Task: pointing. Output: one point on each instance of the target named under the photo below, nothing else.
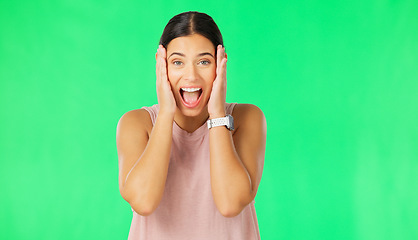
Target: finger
(223, 68)
(159, 66)
(218, 59)
(218, 55)
(221, 72)
(163, 70)
(159, 52)
(222, 53)
(163, 52)
(157, 58)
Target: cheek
(212, 74)
(173, 75)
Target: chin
(195, 112)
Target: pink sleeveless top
(187, 209)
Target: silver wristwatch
(227, 121)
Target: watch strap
(227, 121)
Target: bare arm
(144, 150)
(143, 160)
(236, 161)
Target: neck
(190, 124)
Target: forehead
(191, 45)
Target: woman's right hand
(164, 93)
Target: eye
(177, 63)
(204, 62)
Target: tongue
(190, 97)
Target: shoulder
(134, 121)
(245, 108)
(247, 111)
(248, 115)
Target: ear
(226, 55)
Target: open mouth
(191, 96)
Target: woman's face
(191, 66)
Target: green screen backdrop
(337, 81)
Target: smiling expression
(191, 65)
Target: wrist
(166, 109)
(167, 115)
(217, 114)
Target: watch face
(230, 122)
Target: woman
(182, 179)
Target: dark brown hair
(189, 23)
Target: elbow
(143, 210)
(231, 210)
(141, 206)
(144, 207)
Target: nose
(191, 73)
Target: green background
(337, 81)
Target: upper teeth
(190, 89)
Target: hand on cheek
(164, 93)
(216, 105)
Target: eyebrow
(183, 55)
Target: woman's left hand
(216, 104)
